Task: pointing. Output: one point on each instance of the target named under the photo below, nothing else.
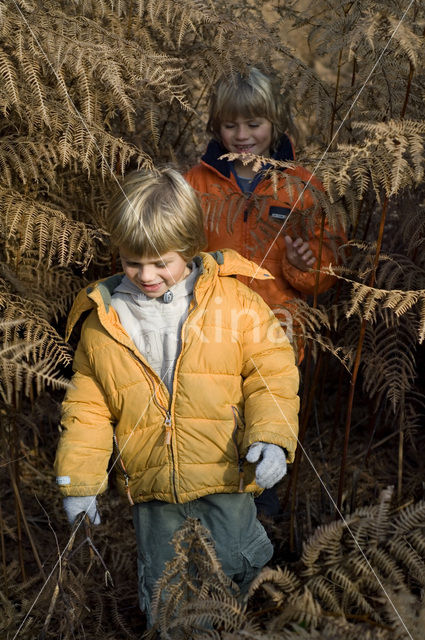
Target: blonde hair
(254, 95)
(155, 212)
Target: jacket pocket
(237, 437)
(254, 555)
(259, 550)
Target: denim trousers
(240, 541)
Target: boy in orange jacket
(185, 377)
(274, 221)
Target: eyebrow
(156, 260)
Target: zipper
(168, 421)
(168, 434)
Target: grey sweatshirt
(154, 326)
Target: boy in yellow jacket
(188, 373)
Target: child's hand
(74, 505)
(272, 463)
(299, 253)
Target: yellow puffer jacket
(235, 383)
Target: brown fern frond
(118, 618)
(225, 612)
(399, 272)
(417, 540)
(111, 74)
(350, 593)
(412, 517)
(386, 565)
(43, 341)
(151, 120)
(283, 580)
(85, 89)
(18, 374)
(56, 235)
(192, 594)
(23, 157)
(390, 159)
(366, 301)
(325, 538)
(389, 357)
(9, 78)
(380, 26)
(302, 608)
(408, 557)
(378, 525)
(31, 71)
(323, 589)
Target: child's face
(153, 276)
(247, 135)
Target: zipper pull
(167, 424)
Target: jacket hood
(215, 150)
(217, 264)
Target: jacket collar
(226, 262)
(215, 149)
(211, 266)
(98, 294)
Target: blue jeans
(241, 543)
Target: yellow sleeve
(271, 381)
(86, 440)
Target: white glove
(74, 505)
(272, 465)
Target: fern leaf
(9, 78)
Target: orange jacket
(250, 223)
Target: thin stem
(349, 412)
(3, 553)
(319, 260)
(309, 391)
(338, 78)
(400, 463)
(337, 414)
(130, 15)
(14, 475)
(27, 529)
(63, 566)
(358, 360)
(306, 410)
(353, 75)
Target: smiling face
(154, 276)
(247, 135)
